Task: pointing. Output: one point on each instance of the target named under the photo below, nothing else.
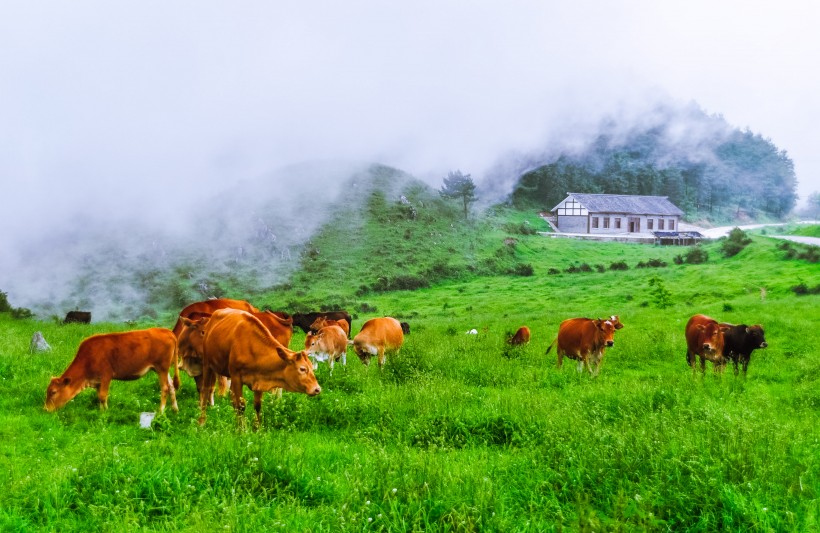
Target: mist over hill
(710, 169)
(255, 233)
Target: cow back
(209, 306)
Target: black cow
(305, 320)
(405, 327)
(82, 317)
(740, 341)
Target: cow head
(616, 321)
(607, 328)
(298, 374)
(711, 339)
(60, 391)
(755, 335)
(191, 339)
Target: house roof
(624, 203)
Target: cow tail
(550, 346)
(175, 364)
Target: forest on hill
(711, 170)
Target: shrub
(694, 256)
(523, 228)
(662, 296)
(619, 265)
(652, 263)
(5, 307)
(553, 271)
(600, 268)
(735, 242)
(802, 289)
(400, 283)
(521, 269)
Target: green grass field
(458, 432)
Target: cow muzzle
(708, 348)
(764, 344)
(610, 344)
(315, 391)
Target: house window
(606, 222)
(671, 225)
(617, 223)
(594, 222)
(660, 224)
(650, 223)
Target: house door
(634, 225)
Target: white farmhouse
(616, 213)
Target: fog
(118, 117)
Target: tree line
(726, 175)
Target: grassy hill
(458, 432)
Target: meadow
(458, 432)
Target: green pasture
(458, 432)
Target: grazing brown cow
(522, 336)
(328, 344)
(305, 320)
(191, 349)
(80, 317)
(200, 309)
(123, 356)
(704, 339)
(378, 336)
(585, 340)
(238, 346)
(322, 321)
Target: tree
(814, 203)
(458, 186)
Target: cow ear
(724, 329)
(748, 329)
(286, 354)
(65, 381)
(700, 327)
(185, 320)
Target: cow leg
(257, 406)
(560, 359)
(206, 393)
(236, 396)
(102, 392)
(344, 358)
(702, 365)
(164, 384)
(381, 358)
(169, 388)
(745, 363)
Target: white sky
(122, 107)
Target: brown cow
(322, 321)
(238, 346)
(328, 344)
(198, 310)
(585, 340)
(123, 356)
(209, 306)
(522, 336)
(377, 337)
(704, 339)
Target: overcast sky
(121, 107)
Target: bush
(5, 307)
(803, 289)
(619, 265)
(652, 263)
(400, 283)
(553, 271)
(523, 228)
(694, 256)
(521, 269)
(735, 242)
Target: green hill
(458, 432)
